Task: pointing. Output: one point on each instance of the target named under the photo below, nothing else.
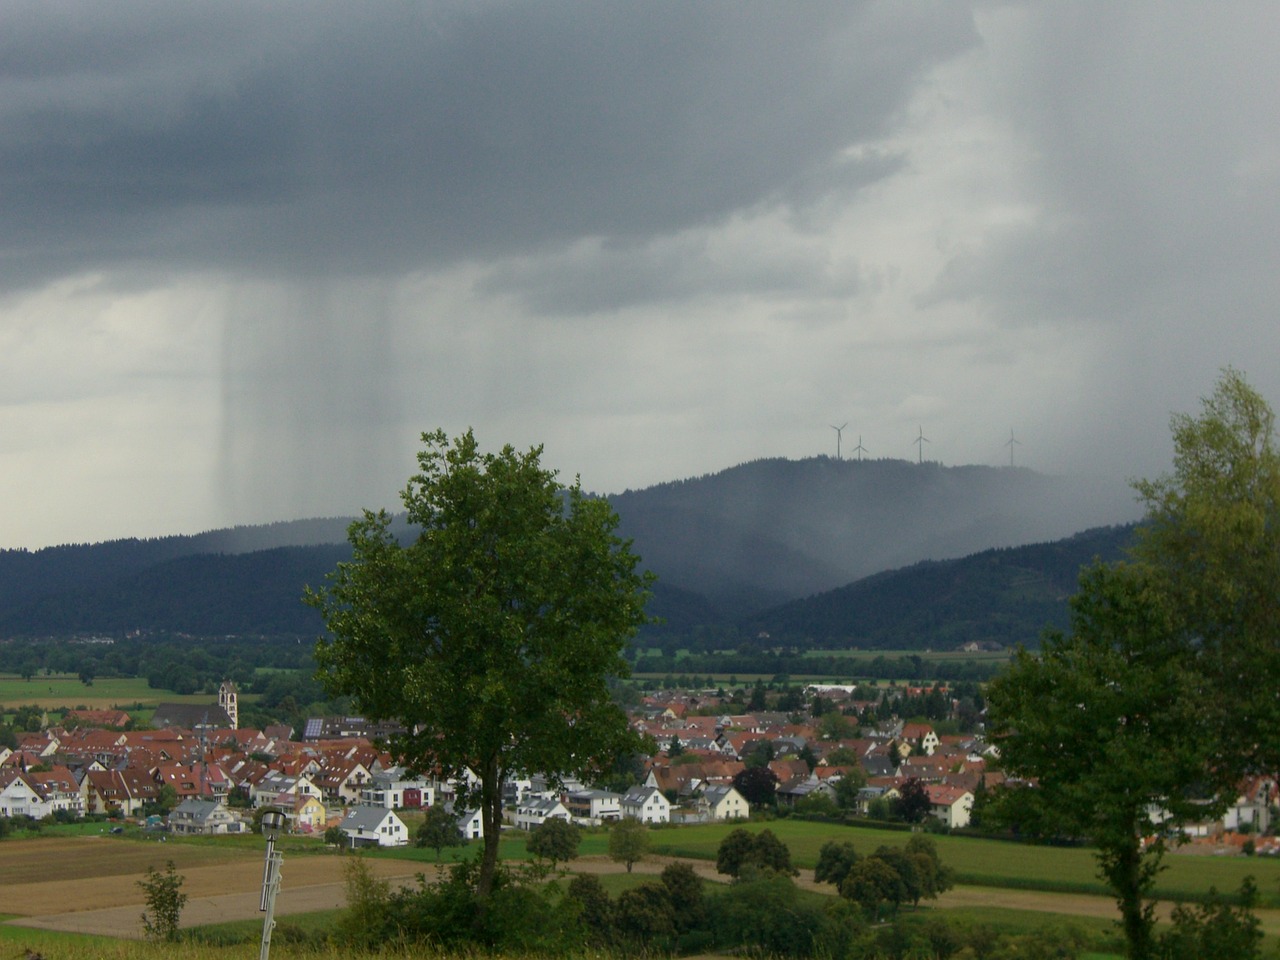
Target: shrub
(165, 900)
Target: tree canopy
(493, 634)
(628, 841)
(1145, 715)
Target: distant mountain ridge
(769, 531)
(726, 547)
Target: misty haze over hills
(725, 547)
(775, 530)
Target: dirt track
(112, 905)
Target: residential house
(341, 780)
(19, 796)
(198, 817)
(308, 814)
(374, 827)
(724, 803)
(646, 804)
(920, 737)
(471, 825)
(593, 807)
(396, 789)
(951, 805)
(799, 788)
(535, 810)
(59, 789)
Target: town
(197, 772)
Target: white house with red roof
(951, 805)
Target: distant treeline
(908, 667)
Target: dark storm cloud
(308, 137)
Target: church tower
(227, 701)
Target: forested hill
(725, 548)
(766, 532)
(1004, 596)
(257, 594)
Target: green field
(995, 863)
(66, 690)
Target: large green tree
(494, 633)
(1211, 538)
(1146, 715)
(1108, 720)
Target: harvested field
(100, 894)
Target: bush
(742, 849)
(165, 901)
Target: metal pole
(270, 887)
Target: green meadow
(65, 690)
(995, 863)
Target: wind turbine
(920, 441)
(839, 433)
(1011, 444)
(860, 449)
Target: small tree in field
(555, 840)
(438, 830)
(165, 900)
(628, 841)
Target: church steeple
(227, 697)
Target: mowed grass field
(66, 690)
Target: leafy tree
(912, 804)
(1211, 538)
(934, 877)
(760, 754)
(628, 841)
(494, 633)
(595, 908)
(684, 888)
(555, 840)
(438, 830)
(847, 788)
(872, 883)
(162, 891)
(835, 860)
(836, 726)
(1216, 928)
(735, 850)
(758, 786)
(335, 837)
(809, 757)
(741, 849)
(1109, 720)
(645, 915)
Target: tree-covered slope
(1005, 596)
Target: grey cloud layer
(372, 139)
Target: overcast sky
(249, 252)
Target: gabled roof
(366, 819)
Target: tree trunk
(491, 821)
(1129, 877)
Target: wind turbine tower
(839, 433)
(1011, 444)
(860, 449)
(921, 440)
